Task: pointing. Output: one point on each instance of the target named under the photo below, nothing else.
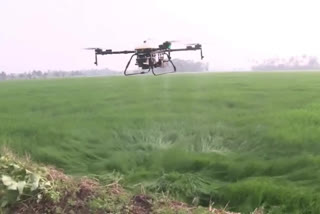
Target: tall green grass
(246, 139)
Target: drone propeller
(92, 48)
(97, 50)
(157, 40)
(173, 41)
(192, 44)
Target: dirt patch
(141, 204)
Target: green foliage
(240, 135)
(109, 202)
(27, 187)
(188, 186)
(17, 182)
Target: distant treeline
(181, 65)
(37, 74)
(186, 66)
(293, 63)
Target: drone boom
(109, 51)
(99, 51)
(189, 48)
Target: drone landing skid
(151, 68)
(174, 67)
(135, 73)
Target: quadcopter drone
(148, 58)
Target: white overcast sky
(50, 34)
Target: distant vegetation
(182, 66)
(37, 74)
(187, 66)
(245, 140)
(293, 63)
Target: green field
(244, 139)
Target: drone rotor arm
(119, 52)
(188, 48)
(99, 51)
(109, 52)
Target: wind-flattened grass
(246, 139)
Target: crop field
(245, 140)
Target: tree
(293, 63)
(3, 76)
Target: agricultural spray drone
(148, 57)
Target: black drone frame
(148, 52)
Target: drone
(148, 57)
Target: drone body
(148, 58)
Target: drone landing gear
(151, 67)
(169, 60)
(135, 73)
